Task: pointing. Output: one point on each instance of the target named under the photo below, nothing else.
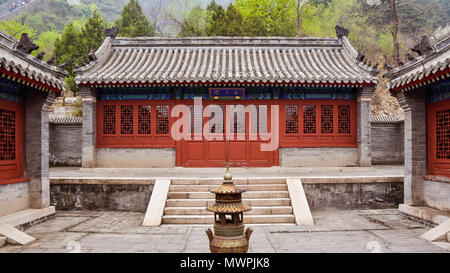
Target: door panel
(238, 152)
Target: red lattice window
(291, 119)
(162, 119)
(126, 119)
(309, 119)
(438, 133)
(11, 142)
(344, 117)
(318, 123)
(109, 120)
(7, 135)
(144, 119)
(133, 124)
(326, 119)
(443, 134)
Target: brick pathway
(335, 231)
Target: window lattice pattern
(109, 120)
(126, 119)
(196, 123)
(291, 119)
(7, 135)
(258, 124)
(218, 127)
(238, 124)
(344, 119)
(443, 134)
(162, 119)
(309, 119)
(326, 119)
(144, 120)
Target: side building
(28, 87)
(422, 87)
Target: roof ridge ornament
(112, 32)
(423, 47)
(341, 32)
(26, 45)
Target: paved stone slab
(15, 236)
(437, 233)
(362, 231)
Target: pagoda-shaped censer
(228, 211)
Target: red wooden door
(11, 142)
(242, 149)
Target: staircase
(268, 197)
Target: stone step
(203, 211)
(208, 202)
(203, 188)
(245, 195)
(239, 181)
(209, 219)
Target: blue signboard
(226, 93)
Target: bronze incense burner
(228, 211)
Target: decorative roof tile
(425, 66)
(32, 69)
(233, 60)
(66, 121)
(386, 119)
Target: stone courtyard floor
(335, 231)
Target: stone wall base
(14, 197)
(319, 157)
(354, 195)
(101, 197)
(135, 158)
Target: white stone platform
(27, 217)
(309, 175)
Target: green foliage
(46, 43)
(270, 17)
(134, 23)
(196, 23)
(92, 33)
(15, 29)
(73, 47)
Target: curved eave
(228, 83)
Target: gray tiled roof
(265, 60)
(386, 119)
(66, 121)
(28, 66)
(422, 66)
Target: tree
(46, 43)
(394, 31)
(233, 23)
(15, 29)
(268, 17)
(217, 27)
(134, 23)
(196, 23)
(92, 33)
(73, 47)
